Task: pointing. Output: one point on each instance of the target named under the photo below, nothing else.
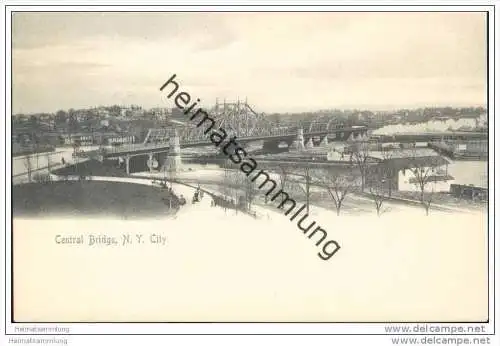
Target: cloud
(279, 60)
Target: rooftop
(403, 153)
(422, 161)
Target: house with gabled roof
(406, 170)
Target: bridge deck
(139, 149)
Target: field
(93, 167)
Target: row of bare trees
(421, 168)
(338, 184)
(238, 187)
(32, 163)
(363, 175)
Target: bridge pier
(127, 164)
(298, 143)
(350, 138)
(309, 144)
(355, 137)
(150, 162)
(324, 142)
(365, 135)
(173, 160)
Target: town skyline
(168, 110)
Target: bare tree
(36, 148)
(359, 156)
(423, 169)
(421, 177)
(227, 179)
(304, 183)
(426, 202)
(49, 163)
(378, 195)
(250, 192)
(283, 177)
(37, 156)
(388, 169)
(338, 185)
(235, 186)
(76, 150)
(28, 164)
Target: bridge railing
(198, 137)
(126, 148)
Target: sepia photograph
(249, 166)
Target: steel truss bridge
(238, 119)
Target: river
(469, 172)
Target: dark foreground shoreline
(91, 198)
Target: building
(474, 149)
(408, 170)
(81, 116)
(131, 112)
(102, 112)
(119, 140)
(482, 120)
(79, 138)
(470, 148)
(430, 172)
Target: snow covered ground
(223, 266)
(353, 204)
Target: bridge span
(168, 154)
(430, 136)
(299, 137)
(162, 146)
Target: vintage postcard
(250, 166)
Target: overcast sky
(279, 61)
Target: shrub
(42, 178)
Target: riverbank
(81, 199)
